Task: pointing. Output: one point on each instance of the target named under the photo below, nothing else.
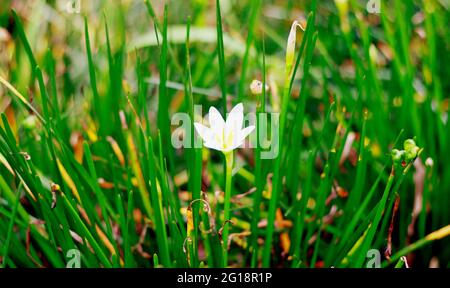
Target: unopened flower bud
(290, 48)
(409, 144)
(30, 122)
(412, 153)
(397, 155)
(256, 87)
(411, 149)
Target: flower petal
(238, 139)
(241, 135)
(210, 138)
(213, 145)
(234, 121)
(205, 132)
(245, 132)
(216, 121)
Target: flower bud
(290, 48)
(397, 155)
(256, 87)
(409, 144)
(30, 122)
(411, 149)
(412, 153)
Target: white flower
(221, 135)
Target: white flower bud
(256, 87)
(290, 48)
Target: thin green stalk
(325, 186)
(155, 261)
(161, 234)
(158, 30)
(226, 214)
(102, 200)
(301, 205)
(164, 97)
(299, 222)
(221, 55)
(400, 263)
(223, 88)
(276, 184)
(296, 142)
(254, 10)
(259, 173)
(25, 42)
(92, 77)
(86, 233)
(129, 261)
(10, 228)
(22, 99)
(193, 153)
(373, 227)
(53, 89)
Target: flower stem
(229, 168)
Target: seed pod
(30, 122)
(411, 149)
(412, 153)
(397, 155)
(409, 144)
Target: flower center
(228, 140)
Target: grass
(86, 155)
